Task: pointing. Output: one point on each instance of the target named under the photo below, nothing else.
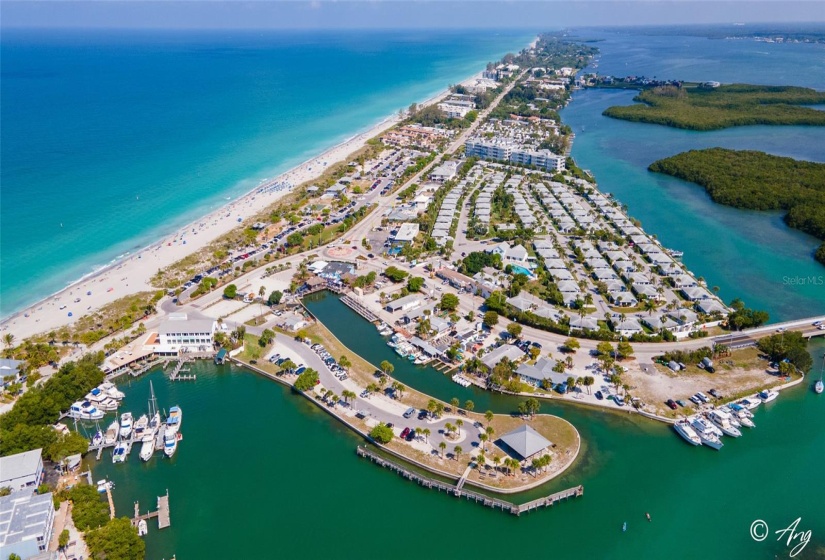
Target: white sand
(132, 275)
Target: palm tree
(457, 452)
(448, 428)
(458, 424)
(344, 362)
(419, 432)
(442, 446)
(469, 405)
(426, 432)
(489, 416)
(454, 402)
(489, 432)
(386, 367)
(261, 292)
(649, 306)
(382, 381)
(482, 438)
(496, 461)
(8, 340)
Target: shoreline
(172, 246)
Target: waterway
(266, 468)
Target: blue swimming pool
(520, 270)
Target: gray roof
(9, 367)
(508, 351)
(543, 369)
(187, 326)
(525, 441)
(19, 465)
(24, 517)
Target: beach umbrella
(70, 313)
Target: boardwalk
(359, 308)
(460, 492)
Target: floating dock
(161, 513)
(360, 308)
(460, 492)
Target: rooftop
(20, 465)
(24, 517)
(525, 441)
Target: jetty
(459, 491)
(360, 308)
(111, 501)
(161, 513)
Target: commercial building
(508, 150)
(406, 233)
(179, 334)
(403, 304)
(26, 522)
(22, 471)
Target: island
(757, 181)
(710, 106)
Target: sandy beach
(132, 274)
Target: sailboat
(149, 434)
(819, 386)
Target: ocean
(113, 139)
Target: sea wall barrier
(482, 499)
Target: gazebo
(525, 442)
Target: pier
(359, 308)
(179, 373)
(111, 501)
(161, 513)
(460, 492)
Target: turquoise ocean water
(121, 137)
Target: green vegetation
(415, 283)
(700, 108)
(230, 292)
(381, 433)
(788, 346)
(745, 318)
(28, 424)
(449, 302)
(757, 181)
(395, 274)
(477, 260)
(89, 511)
(117, 540)
(275, 297)
(306, 380)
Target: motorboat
(111, 433)
(170, 443)
(768, 395)
(174, 420)
(147, 448)
(751, 403)
(126, 422)
(97, 438)
(84, 410)
(684, 429)
(121, 452)
(101, 399)
(734, 419)
(705, 433)
(743, 415)
(722, 420)
(140, 427)
(143, 528)
(819, 386)
(112, 390)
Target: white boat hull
(147, 450)
(688, 434)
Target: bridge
(750, 337)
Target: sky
(388, 14)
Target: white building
(444, 172)
(406, 233)
(26, 523)
(22, 471)
(403, 304)
(454, 111)
(180, 334)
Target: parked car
(405, 433)
(671, 403)
(599, 395)
(410, 411)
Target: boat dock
(360, 308)
(111, 501)
(179, 373)
(460, 492)
(161, 513)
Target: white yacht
(111, 433)
(112, 390)
(143, 528)
(723, 422)
(147, 448)
(84, 410)
(683, 428)
(751, 403)
(97, 438)
(170, 443)
(121, 452)
(101, 399)
(819, 386)
(140, 427)
(734, 418)
(768, 395)
(705, 432)
(126, 425)
(743, 415)
(174, 420)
